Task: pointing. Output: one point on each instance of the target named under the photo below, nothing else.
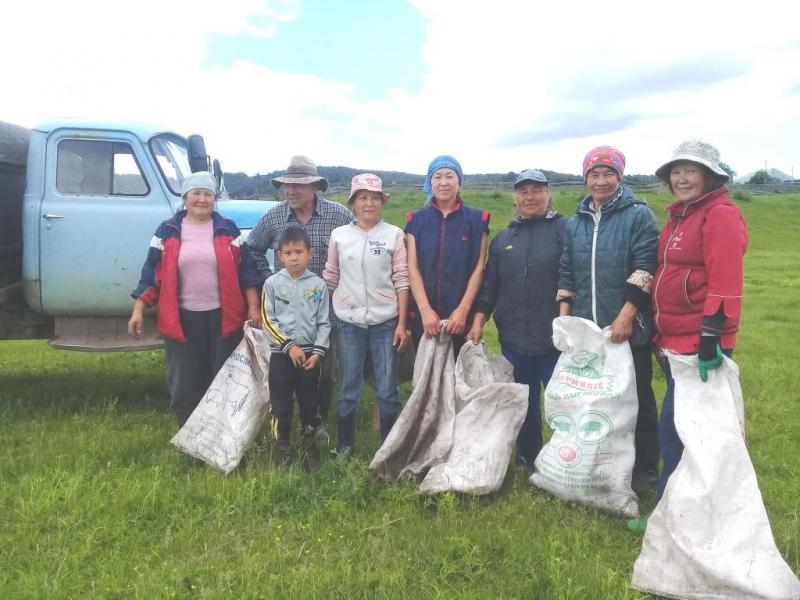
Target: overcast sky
(502, 85)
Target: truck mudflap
(103, 334)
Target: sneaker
(310, 453)
(638, 526)
(311, 461)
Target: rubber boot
(387, 422)
(525, 464)
(282, 453)
(644, 481)
(637, 526)
(310, 451)
(347, 434)
(323, 437)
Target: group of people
(675, 290)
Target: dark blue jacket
(521, 282)
(601, 251)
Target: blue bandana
(445, 161)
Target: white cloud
(499, 76)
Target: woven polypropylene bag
(233, 410)
(423, 433)
(591, 405)
(709, 536)
(490, 411)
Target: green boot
(637, 526)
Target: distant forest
(244, 187)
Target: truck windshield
(172, 158)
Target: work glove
(709, 356)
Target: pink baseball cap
(368, 182)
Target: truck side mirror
(217, 171)
(198, 159)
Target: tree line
(244, 187)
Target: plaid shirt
(326, 217)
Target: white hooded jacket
(365, 270)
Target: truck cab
(94, 194)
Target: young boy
(294, 312)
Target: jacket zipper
(596, 217)
(672, 230)
(364, 277)
(295, 304)
(528, 234)
(442, 229)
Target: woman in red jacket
(205, 283)
(697, 289)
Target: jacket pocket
(343, 298)
(686, 288)
(695, 287)
(385, 296)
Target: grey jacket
(294, 312)
(602, 251)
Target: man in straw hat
(302, 207)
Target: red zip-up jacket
(700, 268)
(159, 283)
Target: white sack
(591, 405)
(233, 410)
(490, 411)
(423, 433)
(709, 536)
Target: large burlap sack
(233, 410)
(591, 405)
(709, 536)
(423, 433)
(490, 411)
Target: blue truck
(79, 202)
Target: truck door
(101, 205)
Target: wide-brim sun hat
(201, 180)
(301, 170)
(530, 176)
(367, 182)
(696, 151)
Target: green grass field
(96, 503)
